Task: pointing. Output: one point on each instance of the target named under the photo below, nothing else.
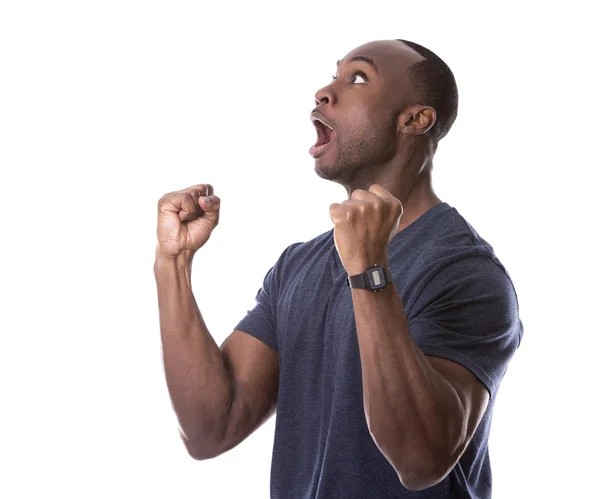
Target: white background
(105, 106)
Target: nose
(324, 96)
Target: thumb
(210, 205)
(380, 191)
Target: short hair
(435, 85)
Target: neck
(408, 179)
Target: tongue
(325, 135)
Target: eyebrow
(363, 58)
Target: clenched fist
(364, 225)
(186, 219)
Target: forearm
(407, 402)
(199, 384)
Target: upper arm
(466, 322)
(250, 356)
(468, 314)
(254, 369)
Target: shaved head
(387, 98)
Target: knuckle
(163, 200)
(203, 189)
(397, 206)
(164, 197)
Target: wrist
(360, 265)
(179, 260)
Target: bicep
(254, 369)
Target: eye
(358, 78)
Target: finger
(343, 212)
(364, 198)
(204, 189)
(360, 194)
(190, 209)
(335, 212)
(210, 203)
(381, 191)
(197, 193)
(200, 191)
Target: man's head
(389, 99)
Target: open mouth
(325, 135)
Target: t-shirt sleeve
(468, 313)
(261, 321)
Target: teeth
(321, 121)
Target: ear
(416, 120)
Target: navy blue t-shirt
(461, 305)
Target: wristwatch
(375, 278)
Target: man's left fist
(364, 225)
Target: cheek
(360, 120)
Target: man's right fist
(186, 219)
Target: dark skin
(385, 110)
(220, 395)
(422, 411)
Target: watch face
(376, 278)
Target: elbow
(425, 470)
(417, 469)
(201, 449)
(201, 454)
(420, 478)
(207, 440)
(422, 472)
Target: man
(384, 383)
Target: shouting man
(382, 342)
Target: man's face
(360, 106)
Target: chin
(337, 168)
(328, 171)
